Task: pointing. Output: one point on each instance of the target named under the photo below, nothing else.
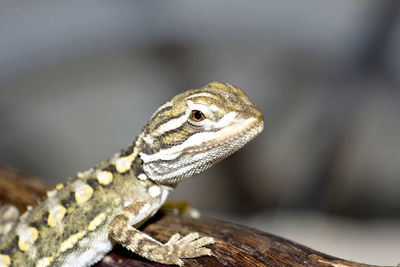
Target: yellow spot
(52, 193)
(124, 164)
(59, 186)
(96, 221)
(5, 259)
(83, 193)
(44, 262)
(56, 215)
(84, 174)
(27, 236)
(71, 241)
(104, 177)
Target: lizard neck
(128, 164)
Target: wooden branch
(237, 245)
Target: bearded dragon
(78, 222)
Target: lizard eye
(197, 115)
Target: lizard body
(79, 221)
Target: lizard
(78, 222)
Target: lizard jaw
(176, 167)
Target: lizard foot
(189, 246)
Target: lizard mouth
(231, 143)
(198, 158)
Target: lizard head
(196, 129)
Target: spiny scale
(78, 221)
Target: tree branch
(236, 245)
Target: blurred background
(78, 80)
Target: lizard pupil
(197, 115)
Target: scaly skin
(78, 222)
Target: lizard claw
(173, 239)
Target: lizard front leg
(122, 230)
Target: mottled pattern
(75, 213)
(78, 220)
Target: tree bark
(236, 245)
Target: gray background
(79, 79)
